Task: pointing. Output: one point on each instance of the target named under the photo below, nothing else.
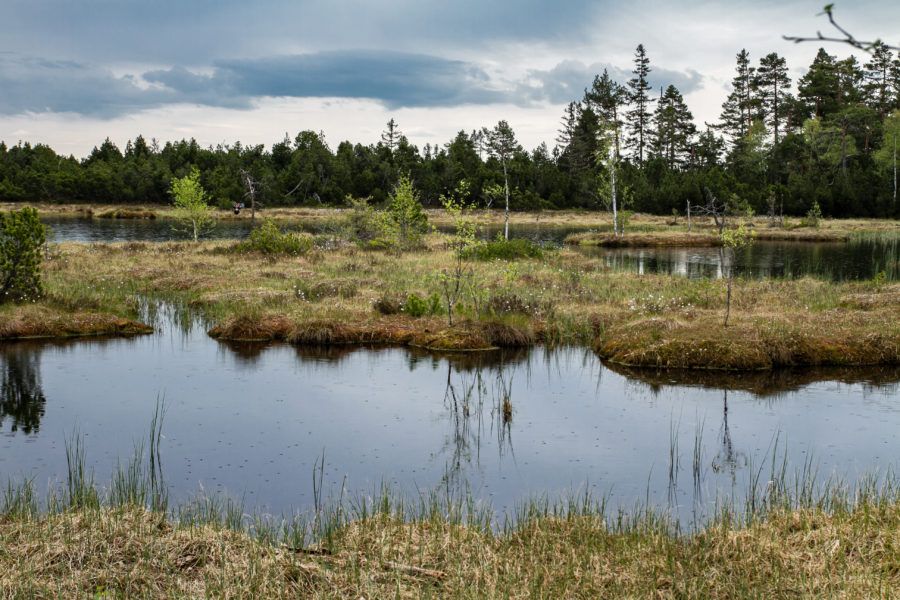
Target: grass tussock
(837, 339)
(643, 239)
(29, 321)
(432, 333)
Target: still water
(855, 260)
(250, 421)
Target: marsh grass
(791, 533)
(564, 298)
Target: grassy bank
(51, 320)
(809, 544)
(339, 294)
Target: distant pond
(250, 420)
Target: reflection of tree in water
(473, 389)
(21, 396)
(728, 459)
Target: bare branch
(847, 39)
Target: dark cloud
(196, 32)
(396, 79)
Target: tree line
(828, 139)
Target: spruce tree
(640, 101)
(738, 109)
(675, 130)
(818, 88)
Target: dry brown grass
(135, 553)
(30, 321)
(565, 297)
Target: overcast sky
(74, 72)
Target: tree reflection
(473, 392)
(21, 394)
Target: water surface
(251, 420)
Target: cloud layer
(395, 79)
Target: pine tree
(639, 99)
(878, 85)
(818, 89)
(675, 130)
(738, 109)
(605, 98)
(772, 83)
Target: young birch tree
(502, 144)
(191, 208)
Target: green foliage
(813, 216)
(504, 250)
(738, 237)
(22, 235)
(416, 306)
(191, 208)
(268, 239)
(406, 214)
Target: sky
(75, 72)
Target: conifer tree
(674, 129)
(738, 109)
(640, 101)
(772, 83)
(605, 98)
(878, 79)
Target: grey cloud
(395, 79)
(37, 85)
(194, 32)
(567, 80)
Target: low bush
(503, 250)
(268, 239)
(413, 304)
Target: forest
(779, 147)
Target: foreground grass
(844, 550)
(344, 295)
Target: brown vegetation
(134, 553)
(29, 321)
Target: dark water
(251, 420)
(68, 229)
(854, 260)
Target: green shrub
(416, 306)
(813, 216)
(21, 237)
(504, 250)
(268, 239)
(406, 214)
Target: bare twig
(847, 39)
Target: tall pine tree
(772, 84)
(640, 101)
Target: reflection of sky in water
(253, 423)
(837, 261)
